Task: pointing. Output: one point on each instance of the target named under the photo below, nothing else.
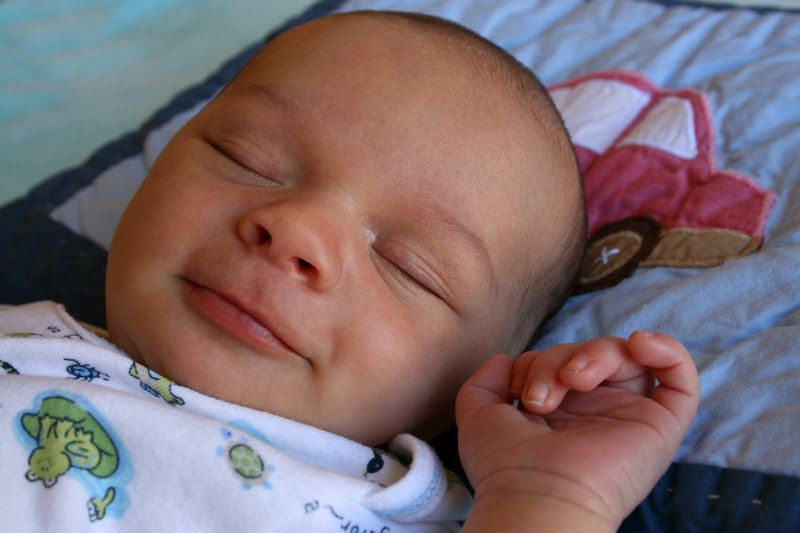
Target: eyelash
(237, 162)
(402, 274)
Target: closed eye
(406, 278)
(234, 160)
(241, 165)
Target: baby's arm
(595, 436)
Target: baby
(375, 205)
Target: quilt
(686, 119)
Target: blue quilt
(739, 467)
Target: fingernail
(577, 363)
(537, 393)
(644, 333)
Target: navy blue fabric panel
(693, 498)
(42, 259)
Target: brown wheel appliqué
(615, 251)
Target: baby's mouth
(237, 320)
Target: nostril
(263, 236)
(304, 265)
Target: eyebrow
(263, 95)
(265, 91)
(474, 243)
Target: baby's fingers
(549, 375)
(679, 387)
(608, 360)
(535, 380)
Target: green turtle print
(65, 437)
(244, 460)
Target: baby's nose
(300, 237)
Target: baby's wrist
(523, 501)
(535, 515)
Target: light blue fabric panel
(76, 73)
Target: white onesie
(92, 441)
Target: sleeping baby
(314, 267)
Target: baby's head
(375, 205)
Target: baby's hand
(594, 433)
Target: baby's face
(333, 238)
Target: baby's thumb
(488, 386)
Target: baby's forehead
(421, 42)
